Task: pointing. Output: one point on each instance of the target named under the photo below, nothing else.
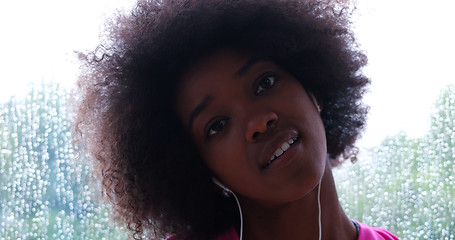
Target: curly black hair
(126, 117)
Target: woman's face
(254, 125)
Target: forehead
(219, 65)
(205, 74)
(221, 61)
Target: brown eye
(265, 84)
(216, 127)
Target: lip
(276, 143)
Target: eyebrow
(198, 109)
(248, 65)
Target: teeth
(285, 146)
(278, 152)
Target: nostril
(259, 125)
(255, 135)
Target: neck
(299, 219)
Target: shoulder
(374, 233)
(230, 234)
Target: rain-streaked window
(406, 185)
(44, 193)
(404, 179)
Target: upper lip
(276, 142)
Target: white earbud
(226, 190)
(315, 102)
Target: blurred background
(403, 180)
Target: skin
(239, 110)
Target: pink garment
(372, 233)
(365, 233)
(230, 234)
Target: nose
(259, 123)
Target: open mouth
(282, 149)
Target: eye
(216, 127)
(265, 83)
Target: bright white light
(39, 39)
(409, 44)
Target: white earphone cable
(319, 211)
(241, 215)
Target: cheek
(223, 157)
(230, 164)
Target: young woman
(213, 119)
